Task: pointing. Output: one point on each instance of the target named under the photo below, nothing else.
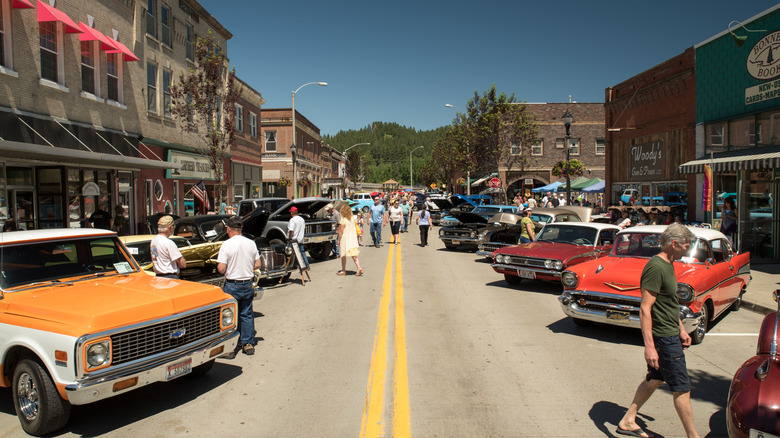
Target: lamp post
(468, 170)
(411, 181)
(358, 144)
(567, 121)
(294, 147)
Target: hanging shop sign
(647, 161)
(763, 62)
(190, 166)
(90, 189)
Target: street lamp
(567, 121)
(468, 169)
(411, 181)
(293, 147)
(359, 144)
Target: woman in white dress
(348, 241)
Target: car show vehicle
(628, 194)
(556, 248)
(500, 238)
(753, 403)
(320, 233)
(473, 227)
(81, 322)
(485, 211)
(364, 201)
(246, 206)
(711, 279)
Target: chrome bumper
(517, 269)
(467, 240)
(572, 308)
(319, 238)
(154, 369)
(487, 249)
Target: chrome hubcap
(702, 328)
(27, 395)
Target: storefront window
(20, 176)
(769, 128)
(755, 213)
(50, 198)
(742, 133)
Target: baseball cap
(327, 207)
(234, 222)
(294, 210)
(164, 222)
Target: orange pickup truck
(80, 322)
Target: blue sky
(401, 61)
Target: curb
(757, 308)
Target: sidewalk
(766, 279)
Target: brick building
(650, 121)
(276, 128)
(586, 142)
(246, 165)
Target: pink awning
(90, 34)
(121, 48)
(48, 13)
(22, 4)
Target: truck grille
(147, 341)
(320, 227)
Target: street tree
(203, 102)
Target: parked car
(246, 206)
(556, 248)
(81, 322)
(655, 200)
(500, 238)
(753, 404)
(627, 194)
(473, 227)
(364, 201)
(711, 279)
(482, 210)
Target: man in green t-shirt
(663, 334)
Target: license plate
(758, 434)
(527, 274)
(618, 316)
(179, 369)
(456, 242)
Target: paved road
(465, 355)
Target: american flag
(199, 190)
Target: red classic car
(753, 407)
(557, 247)
(711, 279)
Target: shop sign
(191, 166)
(90, 189)
(647, 161)
(763, 62)
(494, 183)
(762, 92)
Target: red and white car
(557, 247)
(711, 279)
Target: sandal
(341, 273)
(359, 273)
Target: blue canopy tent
(553, 187)
(595, 188)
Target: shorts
(395, 227)
(671, 360)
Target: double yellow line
(373, 411)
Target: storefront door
(22, 208)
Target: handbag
(357, 228)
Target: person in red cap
(295, 231)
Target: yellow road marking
(372, 411)
(401, 423)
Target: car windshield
(567, 234)
(483, 209)
(541, 218)
(212, 229)
(53, 261)
(637, 245)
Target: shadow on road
(114, 413)
(599, 332)
(533, 286)
(606, 415)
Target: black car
(473, 228)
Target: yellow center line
(375, 393)
(401, 423)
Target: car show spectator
(406, 207)
(295, 232)
(396, 217)
(527, 227)
(101, 218)
(167, 260)
(348, 239)
(624, 221)
(336, 217)
(423, 219)
(378, 220)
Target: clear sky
(401, 61)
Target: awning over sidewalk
(767, 157)
(31, 151)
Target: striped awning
(767, 157)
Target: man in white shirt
(166, 257)
(237, 260)
(561, 200)
(295, 231)
(546, 200)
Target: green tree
(203, 102)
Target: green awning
(575, 182)
(584, 184)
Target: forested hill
(388, 154)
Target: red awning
(121, 48)
(90, 34)
(22, 4)
(48, 13)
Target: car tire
(321, 252)
(38, 405)
(512, 279)
(698, 335)
(365, 209)
(202, 369)
(450, 246)
(737, 304)
(275, 242)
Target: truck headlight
(441, 232)
(228, 316)
(98, 354)
(569, 280)
(684, 293)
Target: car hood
(619, 275)
(307, 206)
(468, 217)
(461, 201)
(546, 250)
(254, 222)
(93, 306)
(443, 204)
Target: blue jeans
(405, 223)
(376, 232)
(244, 294)
(335, 249)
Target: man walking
(378, 220)
(406, 208)
(237, 260)
(664, 336)
(336, 216)
(166, 257)
(296, 229)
